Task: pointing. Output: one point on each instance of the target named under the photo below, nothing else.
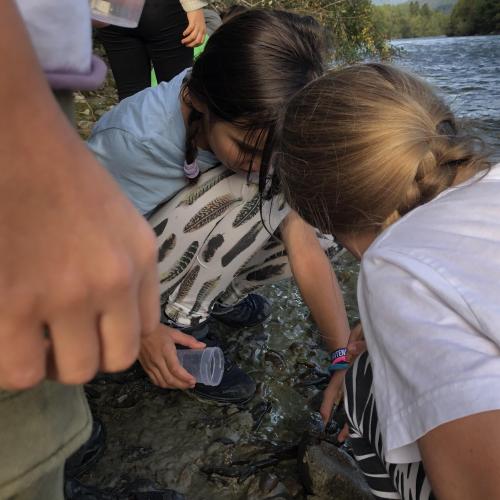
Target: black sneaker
(236, 386)
(198, 331)
(251, 311)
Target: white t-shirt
(429, 297)
(60, 31)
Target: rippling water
(466, 70)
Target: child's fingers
(189, 29)
(186, 340)
(343, 434)
(332, 395)
(172, 371)
(154, 376)
(190, 39)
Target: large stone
(329, 473)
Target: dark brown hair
(249, 69)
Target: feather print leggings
(406, 481)
(214, 243)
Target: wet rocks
(327, 472)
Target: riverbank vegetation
(349, 24)
(437, 17)
(474, 17)
(411, 19)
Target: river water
(177, 441)
(466, 71)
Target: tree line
(438, 17)
(409, 20)
(474, 17)
(349, 24)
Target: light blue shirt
(141, 142)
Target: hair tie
(191, 170)
(338, 360)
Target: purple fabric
(79, 81)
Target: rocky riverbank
(271, 447)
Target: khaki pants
(39, 429)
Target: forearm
(321, 292)
(316, 280)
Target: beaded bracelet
(338, 360)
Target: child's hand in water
(158, 357)
(334, 391)
(332, 395)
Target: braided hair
(364, 145)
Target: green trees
(411, 19)
(474, 17)
(349, 24)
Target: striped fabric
(405, 481)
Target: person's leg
(385, 480)
(205, 235)
(128, 58)
(40, 428)
(162, 24)
(267, 266)
(49, 486)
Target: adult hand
(194, 34)
(158, 357)
(78, 278)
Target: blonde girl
(371, 154)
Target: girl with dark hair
(215, 232)
(371, 154)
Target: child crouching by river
(371, 155)
(218, 239)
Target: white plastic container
(206, 365)
(124, 13)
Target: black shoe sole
(222, 400)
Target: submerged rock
(327, 472)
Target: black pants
(157, 40)
(386, 481)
